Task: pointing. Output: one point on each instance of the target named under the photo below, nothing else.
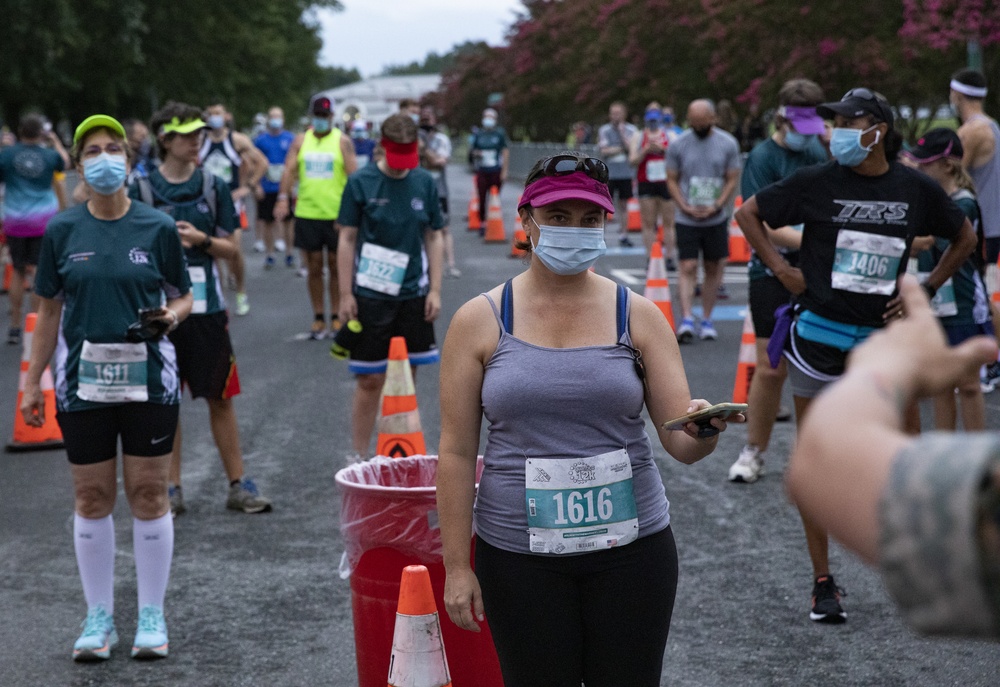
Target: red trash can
(388, 518)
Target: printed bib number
(943, 304)
(381, 269)
(867, 263)
(488, 159)
(219, 165)
(656, 170)
(199, 289)
(580, 505)
(704, 190)
(318, 165)
(112, 373)
(275, 171)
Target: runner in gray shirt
(613, 140)
(703, 169)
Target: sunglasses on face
(561, 165)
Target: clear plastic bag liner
(392, 503)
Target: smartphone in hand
(704, 416)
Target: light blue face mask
(216, 121)
(321, 125)
(276, 122)
(569, 250)
(845, 145)
(797, 142)
(105, 173)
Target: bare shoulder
(241, 141)
(647, 320)
(474, 327)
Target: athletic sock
(153, 541)
(94, 542)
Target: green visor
(95, 121)
(175, 126)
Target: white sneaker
(707, 331)
(748, 467)
(279, 245)
(258, 247)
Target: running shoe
(258, 247)
(624, 242)
(784, 414)
(14, 336)
(707, 332)
(98, 636)
(722, 294)
(826, 606)
(245, 496)
(279, 245)
(453, 272)
(242, 304)
(335, 325)
(685, 333)
(303, 272)
(991, 378)
(318, 330)
(268, 262)
(289, 261)
(176, 498)
(151, 635)
(748, 467)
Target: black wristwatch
(206, 244)
(931, 291)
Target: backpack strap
(211, 195)
(145, 191)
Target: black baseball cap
(322, 106)
(936, 144)
(858, 102)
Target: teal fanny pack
(813, 327)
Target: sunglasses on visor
(561, 165)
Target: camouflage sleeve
(939, 547)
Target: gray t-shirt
(987, 178)
(611, 136)
(703, 164)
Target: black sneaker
(991, 378)
(826, 606)
(624, 242)
(14, 336)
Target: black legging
(600, 618)
(485, 181)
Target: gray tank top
(987, 178)
(565, 403)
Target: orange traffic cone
(634, 215)
(747, 362)
(48, 436)
(418, 657)
(657, 286)
(739, 249)
(399, 432)
(475, 222)
(519, 237)
(495, 232)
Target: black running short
(91, 436)
(383, 319)
(623, 187)
(767, 294)
(654, 189)
(24, 251)
(312, 235)
(205, 358)
(711, 242)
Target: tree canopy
(566, 61)
(128, 57)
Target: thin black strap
(507, 307)
(622, 314)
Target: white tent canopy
(374, 99)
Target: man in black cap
(860, 213)
(980, 137)
(320, 160)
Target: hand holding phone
(703, 418)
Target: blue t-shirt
(364, 148)
(275, 148)
(29, 202)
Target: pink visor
(575, 186)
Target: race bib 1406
(867, 263)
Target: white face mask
(569, 250)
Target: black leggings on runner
(601, 618)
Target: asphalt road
(256, 599)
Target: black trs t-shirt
(857, 233)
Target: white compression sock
(94, 542)
(154, 547)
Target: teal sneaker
(151, 636)
(98, 636)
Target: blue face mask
(216, 121)
(105, 173)
(795, 141)
(845, 145)
(276, 122)
(321, 125)
(569, 250)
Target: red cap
(401, 155)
